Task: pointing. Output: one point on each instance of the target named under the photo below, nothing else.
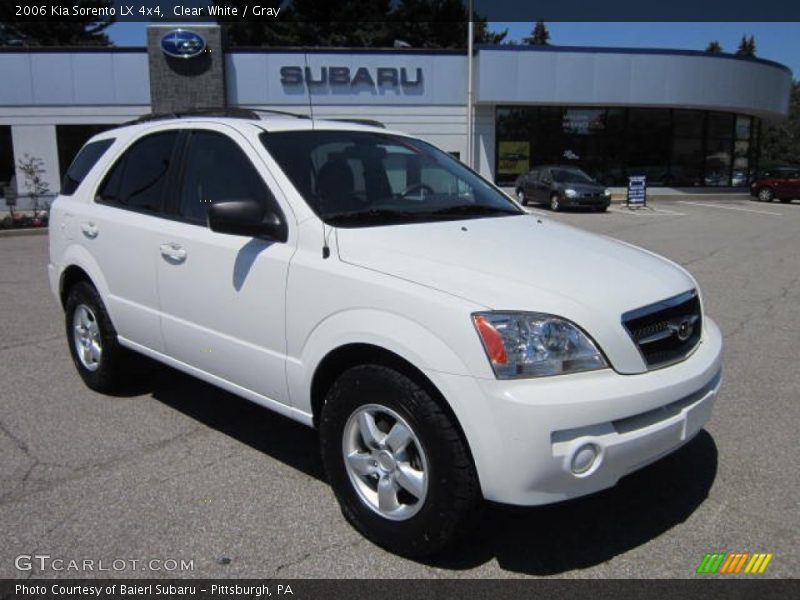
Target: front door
(223, 296)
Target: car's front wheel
(555, 203)
(98, 357)
(398, 465)
(766, 194)
(521, 198)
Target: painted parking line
(736, 208)
(648, 212)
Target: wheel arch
(79, 265)
(344, 357)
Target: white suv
(448, 346)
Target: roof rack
(370, 122)
(223, 112)
(239, 113)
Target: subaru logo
(181, 43)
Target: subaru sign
(182, 43)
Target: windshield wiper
(373, 214)
(474, 209)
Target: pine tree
(714, 47)
(540, 36)
(747, 47)
(362, 23)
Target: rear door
(542, 190)
(793, 185)
(529, 183)
(222, 296)
(120, 228)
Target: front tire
(766, 195)
(398, 465)
(97, 355)
(555, 204)
(521, 198)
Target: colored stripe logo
(733, 563)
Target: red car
(782, 183)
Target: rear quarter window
(83, 163)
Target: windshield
(571, 176)
(358, 179)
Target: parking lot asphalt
(177, 469)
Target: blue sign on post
(637, 190)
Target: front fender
(414, 343)
(400, 335)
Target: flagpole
(470, 36)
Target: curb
(23, 232)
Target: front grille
(667, 331)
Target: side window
(217, 169)
(83, 163)
(138, 179)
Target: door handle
(90, 230)
(173, 252)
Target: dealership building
(682, 118)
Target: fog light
(584, 458)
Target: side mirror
(246, 217)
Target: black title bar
(491, 10)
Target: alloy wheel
(385, 462)
(86, 337)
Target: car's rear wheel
(521, 198)
(97, 355)
(398, 465)
(766, 194)
(555, 203)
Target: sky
(775, 41)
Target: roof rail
(370, 122)
(224, 112)
(285, 113)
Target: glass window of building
(671, 147)
(6, 157)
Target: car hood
(525, 263)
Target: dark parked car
(560, 187)
(782, 183)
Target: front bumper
(585, 202)
(524, 434)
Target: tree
(72, 31)
(747, 47)
(714, 47)
(32, 169)
(540, 36)
(780, 141)
(362, 23)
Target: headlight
(521, 344)
(570, 193)
(607, 192)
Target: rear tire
(364, 410)
(100, 360)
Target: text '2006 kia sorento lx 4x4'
(447, 345)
